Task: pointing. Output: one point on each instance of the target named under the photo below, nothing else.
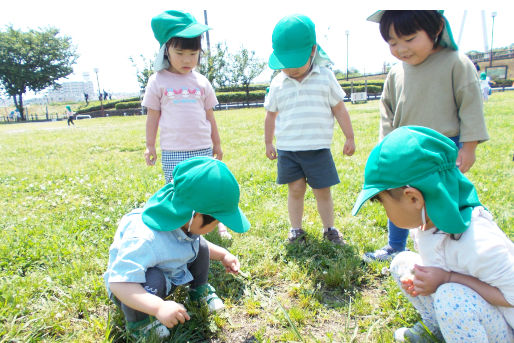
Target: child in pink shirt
(180, 100)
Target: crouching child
(461, 281)
(161, 246)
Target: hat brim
(235, 221)
(191, 31)
(290, 59)
(375, 17)
(364, 196)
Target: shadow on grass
(337, 270)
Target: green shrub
(128, 104)
(240, 96)
(252, 88)
(362, 88)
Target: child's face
(404, 212)
(196, 225)
(412, 49)
(298, 73)
(182, 61)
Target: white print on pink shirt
(181, 95)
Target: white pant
(454, 311)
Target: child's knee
(155, 282)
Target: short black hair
(194, 43)
(207, 219)
(408, 22)
(395, 193)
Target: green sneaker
(146, 328)
(207, 293)
(416, 334)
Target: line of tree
(222, 68)
(33, 60)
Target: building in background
(72, 90)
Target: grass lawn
(63, 190)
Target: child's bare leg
(325, 206)
(295, 198)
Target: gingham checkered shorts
(171, 158)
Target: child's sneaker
(415, 334)
(296, 236)
(383, 254)
(333, 235)
(147, 328)
(207, 293)
(222, 231)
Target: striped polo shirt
(305, 120)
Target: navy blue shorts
(316, 166)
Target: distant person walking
(69, 114)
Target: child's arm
(386, 113)
(229, 261)
(135, 296)
(269, 132)
(343, 118)
(466, 157)
(428, 279)
(215, 136)
(152, 124)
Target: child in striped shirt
(303, 100)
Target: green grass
(62, 191)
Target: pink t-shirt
(182, 100)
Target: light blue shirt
(136, 248)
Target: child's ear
(415, 197)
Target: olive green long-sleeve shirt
(442, 93)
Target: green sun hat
(424, 159)
(171, 24)
(446, 41)
(293, 38)
(201, 184)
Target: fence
(497, 55)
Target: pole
(492, 35)
(347, 34)
(207, 32)
(100, 95)
(46, 97)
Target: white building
(72, 91)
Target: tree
(214, 66)
(246, 67)
(143, 74)
(33, 60)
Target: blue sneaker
(383, 254)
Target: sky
(106, 33)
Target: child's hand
(465, 159)
(271, 153)
(171, 313)
(407, 283)
(231, 263)
(217, 152)
(150, 156)
(349, 147)
(427, 279)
